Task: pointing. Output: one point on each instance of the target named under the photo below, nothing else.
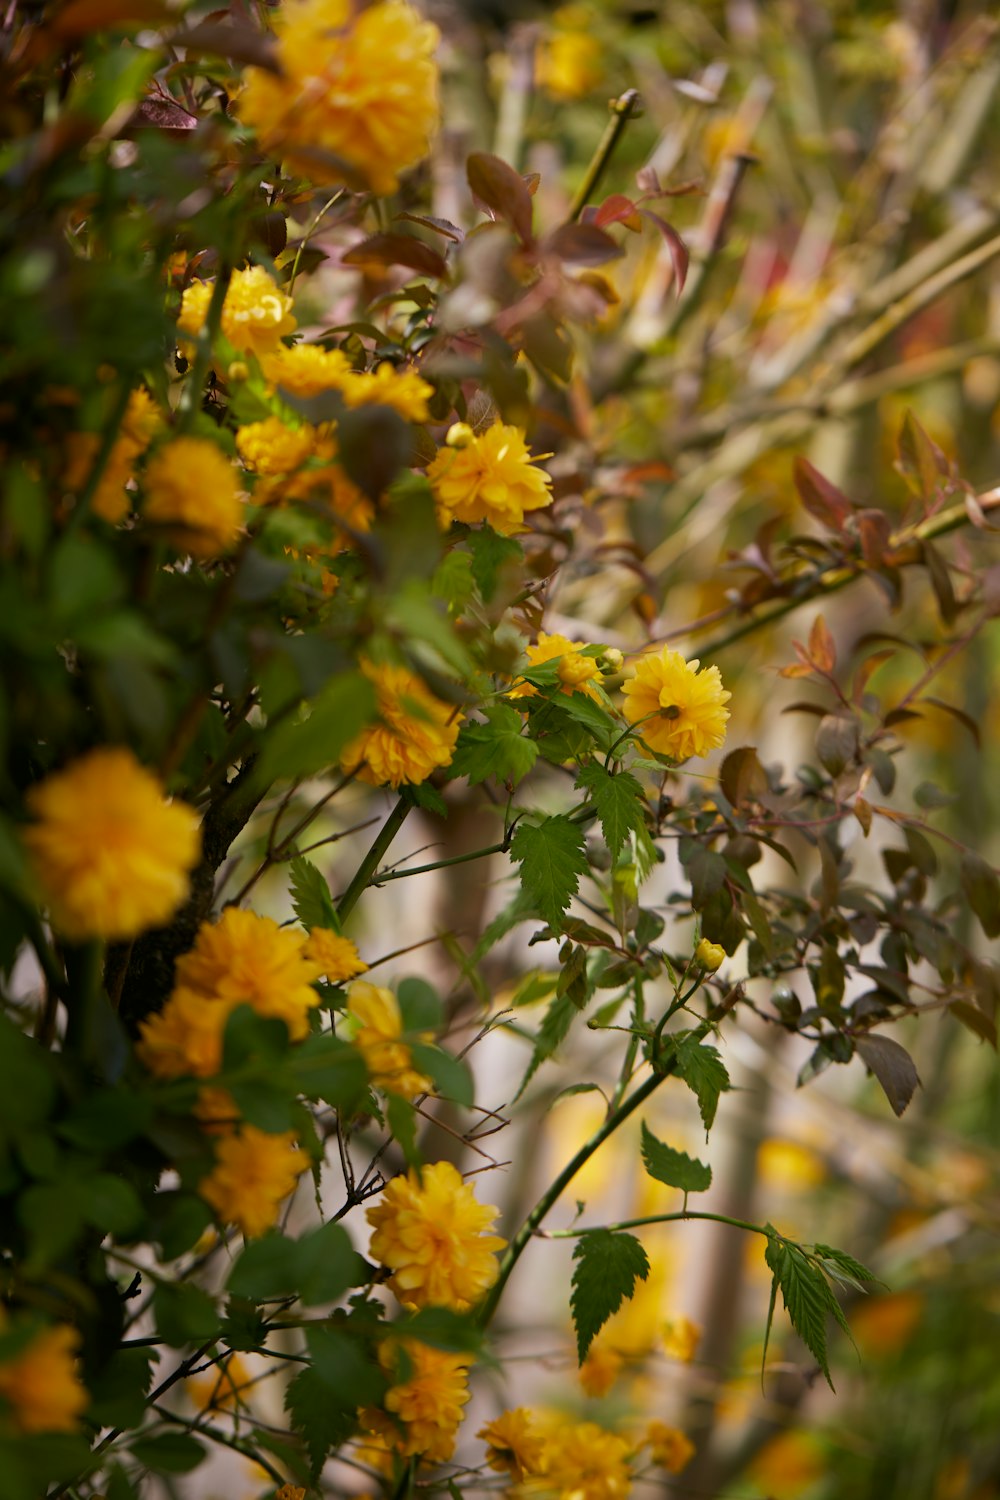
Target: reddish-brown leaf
(242, 44)
(81, 17)
(158, 113)
(822, 499)
(583, 245)
(678, 251)
(617, 209)
(822, 646)
(397, 249)
(501, 191)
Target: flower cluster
(432, 1235)
(571, 1460)
(677, 706)
(430, 1388)
(355, 95)
(378, 1037)
(489, 476)
(336, 957)
(253, 1175)
(575, 671)
(191, 490)
(40, 1382)
(416, 735)
(111, 854)
(256, 313)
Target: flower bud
(710, 956)
(459, 435)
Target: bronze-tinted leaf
(837, 742)
(941, 583)
(583, 245)
(160, 113)
(676, 248)
(242, 44)
(820, 497)
(82, 17)
(921, 461)
(395, 249)
(501, 191)
(893, 1067)
(975, 1021)
(443, 227)
(741, 775)
(617, 209)
(822, 646)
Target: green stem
(190, 403)
(692, 1213)
(369, 865)
(528, 1229)
(622, 110)
(310, 230)
(441, 864)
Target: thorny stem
(622, 110)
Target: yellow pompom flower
(404, 390)
(491, 477)
(256, 313)
(600, 1369)
(432, 1235)
(512, 1445)
(191, 489)
(375, 1012)
(306, 369)
(41, 1383)
(669, 1448)
(272, 447)
(253, 1175)
(111, 501)
(416, 735)
(428, 1402)
(575, 670)
(336, 957)
(356, 95)
(679, 710)
(710, 956)
(570, 60)
(184, 1039)
(250, 960)
(680, 1339)
(581, 1461)
(111, 854)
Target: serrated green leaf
(553, 1030)
(169, 1452)
(843, 1267)
(498, 748)
(316, 1416)
(552, 858)
(619, 803)
(491, 553)
(806, 1295)
(450, 1076)
(311, 899)
(608, 1266)
(674, 1168)
(704, 1072)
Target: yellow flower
(184, 1039)
(416, 736)
(191, 489)
(253, 1175)
(789, 1464)
(110, 499)
(388, 1060)
(431, 1233)
(142, 419)
(681, 708)
(250, 960)
(428, 1401)
(669, 1448)
(581, 1461)
(575, 670)
(356, 95)
(256, 313)
(680, 1339)
(490, 478)
(111, 854)
(272, 447)
(336, 956)
(600, 1369)
(41, 1385)
(569, 64)
(306, 369)
(404, 390)
(710, 956)
(512, 1445)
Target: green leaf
(675, 1168)
(402, 1120)
(893, 1066)
(704, 1072)
(420, 1006)
(325, 1067)
(805, 1293)
(442, 1328)
(27, 1083)
(168, 1453)
(843, 1267)
(118, 1391)
(492, 555)
(319, 1267)
(309, 744)
(450, 1076)
(554, 1028)
(251, 1039)
(184, 1314)
(552, 859)
(178, 1222)
(619, 802)
(608, 1266)
(346, 1367)
(498, 748)
(311, 899)
(322, 1424)
(982, 891)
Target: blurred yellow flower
(253, 1175)
(337, 957)
(111, 854)
(491, 477)
(272, 447)
(111, 501)
(512, 1445)
(191, 489)
(678, 709)
(680, 1339)
(41, 1384)
(581, 1461)
(306, 369)
(404, 390)
(669, 1448)
(416, 735)
(600, 1369)
(246, 959)
(256, 313)
(428, 1402)
(788, 1465)
(431, 1233)
(184, 1039)
(569, 63)
(575, 671)
(789, 1164)
(222, 1387)
(380, 1027)
(356, 94)
(882, 1326)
